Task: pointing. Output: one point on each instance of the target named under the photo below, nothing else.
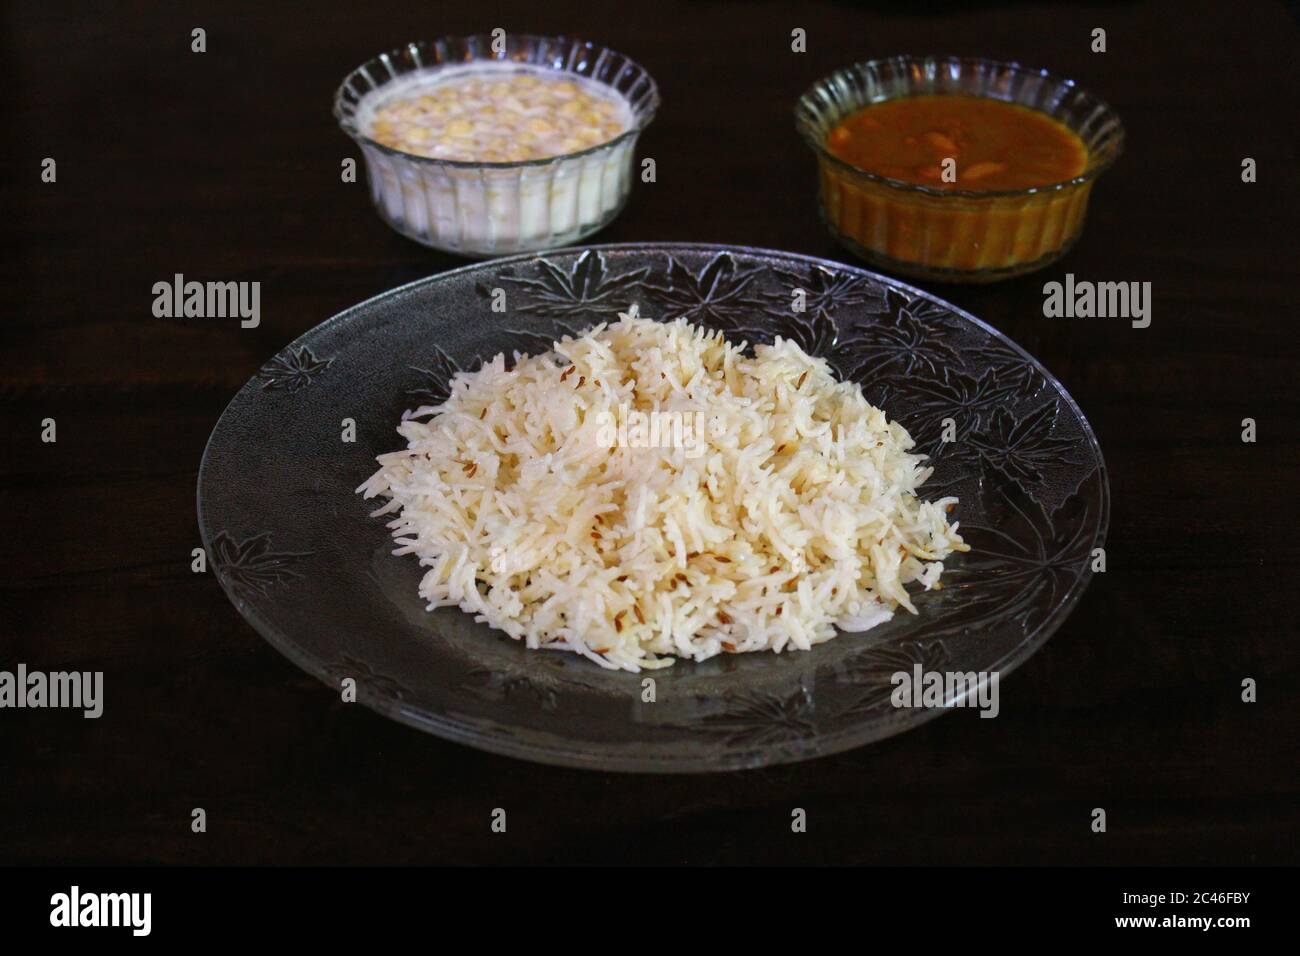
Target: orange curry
(988, 149)
(992, 145)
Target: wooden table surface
(226, 165)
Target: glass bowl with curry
(956, 169)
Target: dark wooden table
(225, 165)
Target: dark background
(225, 166)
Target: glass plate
(296, 551)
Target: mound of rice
(786, 509)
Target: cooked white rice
(792, 513)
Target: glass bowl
(954, 235)
(482, 209)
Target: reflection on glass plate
(296, 551)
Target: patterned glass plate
(296, 551)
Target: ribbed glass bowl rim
(808, 110)
(642, 117)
